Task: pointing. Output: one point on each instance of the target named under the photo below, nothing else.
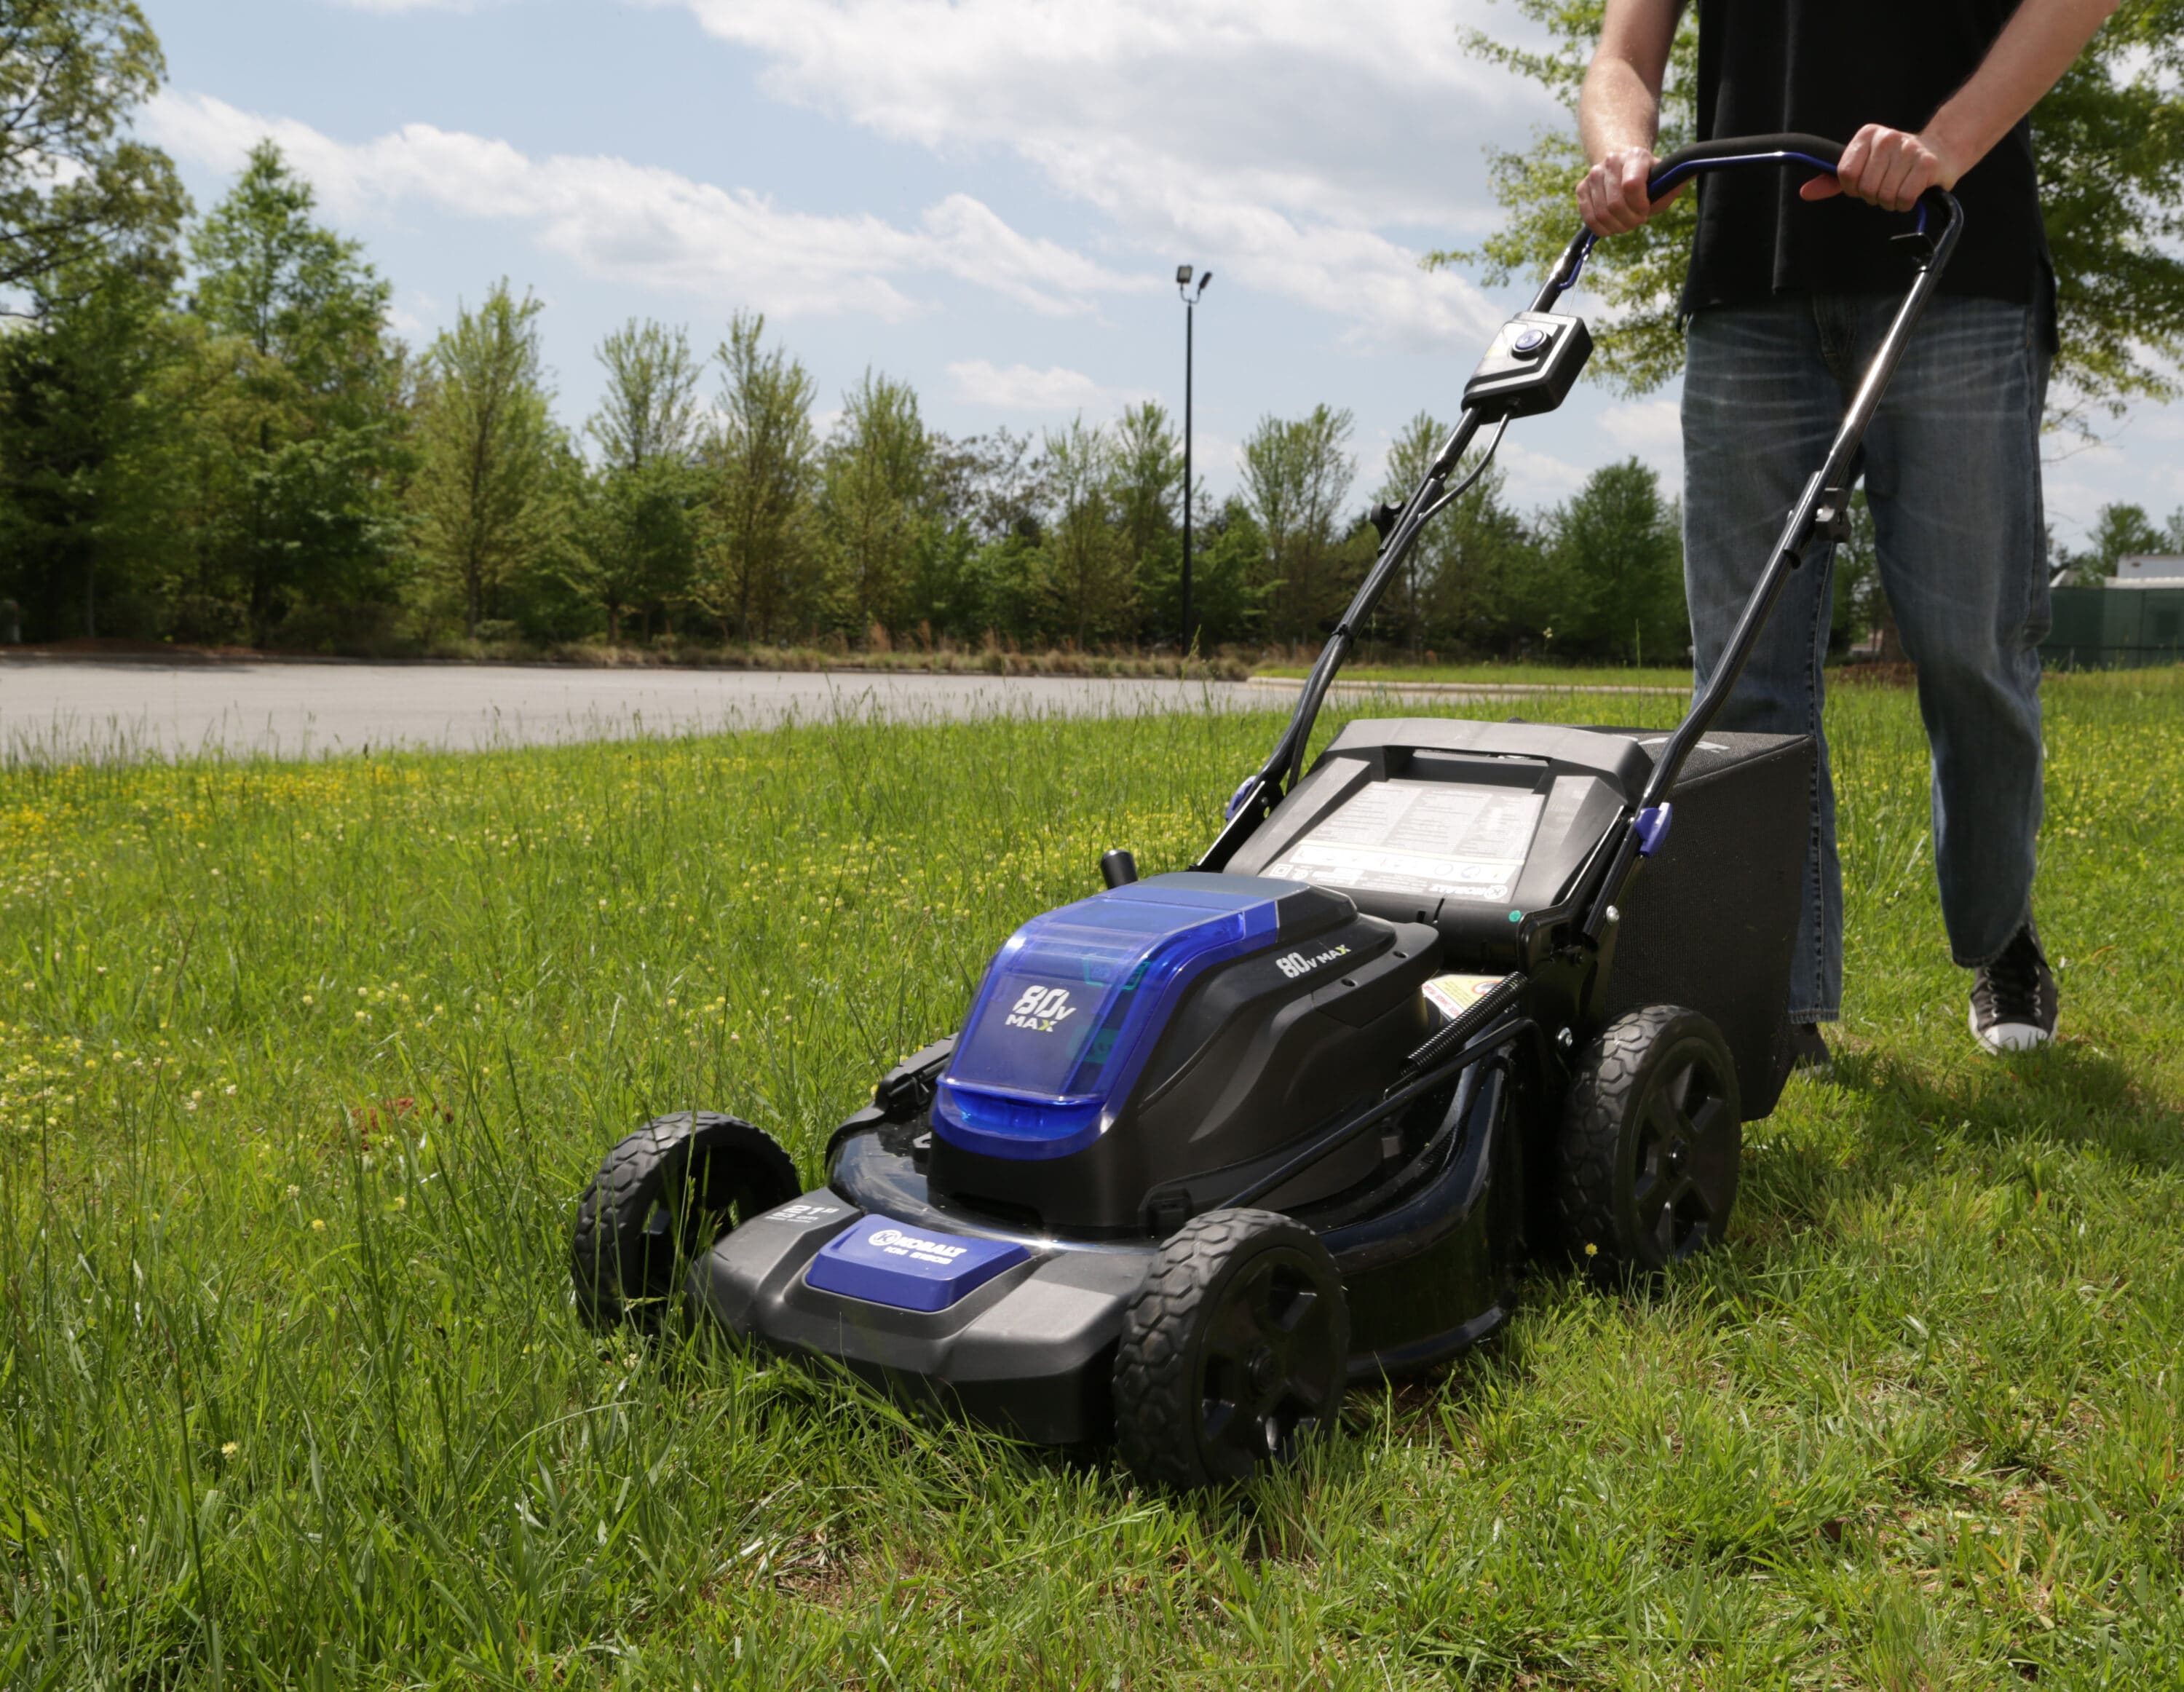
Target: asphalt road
(56, 709)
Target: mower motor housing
(1168, 1029)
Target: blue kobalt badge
(888, 1262)
(1071, 1008)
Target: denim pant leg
(1952, 473)
(1760, 406)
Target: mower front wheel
(664, 1194)
(1652, 1134)
(1232, 1354)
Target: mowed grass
(303, 1066)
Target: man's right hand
(1612, 198)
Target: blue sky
(986, 197)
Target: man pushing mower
(1788, 292)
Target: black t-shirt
(1830, 67)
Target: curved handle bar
(1731, 151)
(1728, 151)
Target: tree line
(210, 433)
(217, 438)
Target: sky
(987, 198)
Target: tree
(1086, 574)
(85, 505)
(74, 187)
(1296, 475)
(1476, 580)
(296, 328)
(2110, 138)
(639, 536)
(1148, 477)
(488, 493)
(761, 466)
(2120, 531)
(1619, 568)
(872, 499)
(1404, 610)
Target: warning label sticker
(1454, 994)
(1453, 839)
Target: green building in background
(2134, 618)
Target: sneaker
(1808, 1048)
(2014, 1000)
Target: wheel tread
(1154, 1412)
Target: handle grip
(1815, 150)
(1730, 151)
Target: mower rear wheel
(1232, 1354)
(1650, 1137)
(664, 1194)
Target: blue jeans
(1951, 466)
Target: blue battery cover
(1073, 1004)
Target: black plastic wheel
(664, 1194)
(1650, 1137)
(1235, 1350)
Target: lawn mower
(1210, 1145)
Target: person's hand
(1612, 198)
(1887, 167)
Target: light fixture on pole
(1183, 276)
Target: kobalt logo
(1041, 1009)
(1296, 964)
(896, 1241)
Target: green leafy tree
(639, 538)
(2110, 138)
(761, 469)
(2119, 531)
(313, 426)
(1618, 563)
(873, 491)
(1297, 473)
(1228, 594)
(493, 468)
(74, 187)
(1477, 582)
(1087, 576)
(1149, 493)
(86, 505)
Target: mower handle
(1819, 509)
(1936, 209)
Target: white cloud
(642, 223)
(1651, 430)
(1276, 140)
(1020, 388)
(1536, 478)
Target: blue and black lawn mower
(1211, 1145)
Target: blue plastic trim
(1652, 825)
(1074, 1003)
(886, 1262)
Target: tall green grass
(303, 1066)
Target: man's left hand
(1887, 167)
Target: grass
(303, 1065)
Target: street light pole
(1182, 274)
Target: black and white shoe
(2014, 1000)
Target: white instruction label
(1454, 839)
